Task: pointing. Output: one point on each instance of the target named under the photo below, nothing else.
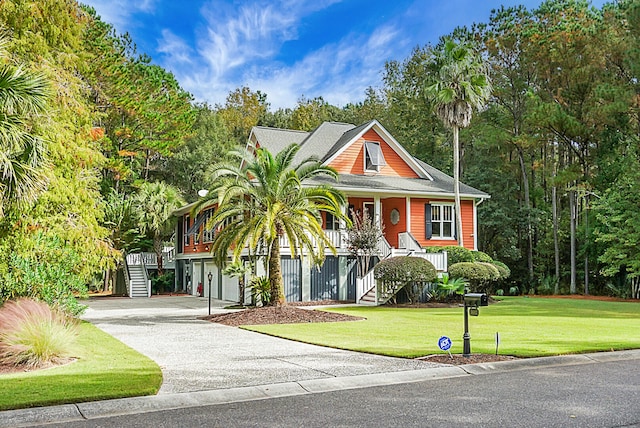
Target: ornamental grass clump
(33, 335)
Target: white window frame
(439, 209)
(381, 161)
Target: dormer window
(373, 157)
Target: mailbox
(476, 299)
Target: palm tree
(459, 85)
(260, 199)
(22, 155)
(155, 203)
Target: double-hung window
(440, 221)
(373, 157)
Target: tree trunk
(456, 185)
(556, 245)
(527, 205)
(157, 247)
(275, 275)
(586, 243)
(572, 209)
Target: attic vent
(373, 157)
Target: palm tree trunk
(456, 185)
(275, 275)
(157, 247)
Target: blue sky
(287, 48)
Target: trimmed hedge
(455, 254)
(479, 256)
(505, 272)
(405, 269)
(470, 271)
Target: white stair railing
(364, 285)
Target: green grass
(528, 327)
(106, 368)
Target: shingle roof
(276, 139)
(330, 137)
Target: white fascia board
(400, 150)
(369, 192)
(388, 138)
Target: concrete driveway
(197, 355)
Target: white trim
(408, 213)
(388, 138)
(378, 210)
(475, 226)
(453, 220)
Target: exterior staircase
(371, 293)
(138, 285)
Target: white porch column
(378, 210)
(408, 213)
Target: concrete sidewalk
(129, 406)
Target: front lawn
(106, 368)
(528, 327)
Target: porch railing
(408, 241)
(337, 238)
(438, 260)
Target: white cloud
(242, 50)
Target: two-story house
(413, 200)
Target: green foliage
(455, 254)
(23, 95)
(261, 198)
(412, 274)
(478, 274)
(405, 270)
(499, 292)
(479, 256)
(260, 290)
(155, 204)
(447, 286)
(46, 269)
(32, 334)
(504, 270)
(188, 168)
(163, 283)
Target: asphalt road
(605, 394)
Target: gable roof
(331, 138)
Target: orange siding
(418, 224)
(351, 161)
(391, 231)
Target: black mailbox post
(471, 303)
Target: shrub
(476, 273)
(32, 334)
(447, 287)
(49, 273)
(260, 290)
(494, 273)
(455, 254)
(479, 256)
(163, 283)
(410, 273)
(500, 292)
(405, 269)
(504, 270)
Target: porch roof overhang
(357, 185)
